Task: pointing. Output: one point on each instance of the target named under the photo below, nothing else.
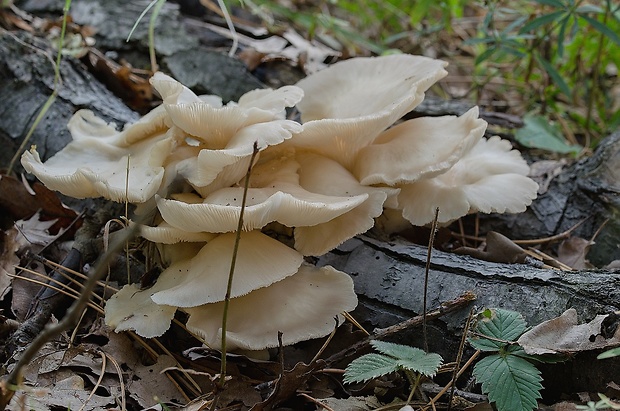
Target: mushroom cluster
(317, 182)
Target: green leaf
(562, 35)
(517, 23)
(504, 325)
(512, 383)
(589, 8)
(544, 358)
(552, 3)
(614, 352)
(369, 366)
(538, 132)
(609, 33)
(419, 11)
(541, 21)
(423, 363)
(398, 351)
(485, 55)
(411, 358)
(553, 73)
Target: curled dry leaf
(499, 249)
(564, 335)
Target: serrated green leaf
(512, 383)
(369, 366)
(609, 33)
(423, 363)
(484, 344)
(398, 351)
(503, 325)
(411, 358)
(541, 21)
(538, 132)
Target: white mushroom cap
(325, 176)
(91, 167)
(489, 178)
(287, 204)
(132, 309)
(348, 104)
(203, 169)
(164, 233)
(283, 201)
(419, 148)
(302, 306)
(215, 125)
(261, 261)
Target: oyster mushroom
(348, 104)
(491, 177)
(302, 306)
(102, 162)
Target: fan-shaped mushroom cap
(325, 176)
(261, 261)
(203, 169)
(97, 165)
(164, 233)
(489, 178)
(348, 104)
(284, 202)
(302, 306)
(215, 125)
(419, 148)
(132, 309)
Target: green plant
(414, 362)
(559, 51)
(507, 375)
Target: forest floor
(90, 367)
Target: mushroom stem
(246, 184)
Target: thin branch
(233, 262)
(429, 254)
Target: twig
(382, 333)
(98, 383)
(459, 357)
(317, 402)
(119, 371)
(233, 261)
(427, 268)
(458, 375)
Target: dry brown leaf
(8, 259)
(573, 251)
(499, 249)
(352, 403)
(150, 386)
(564, 335)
